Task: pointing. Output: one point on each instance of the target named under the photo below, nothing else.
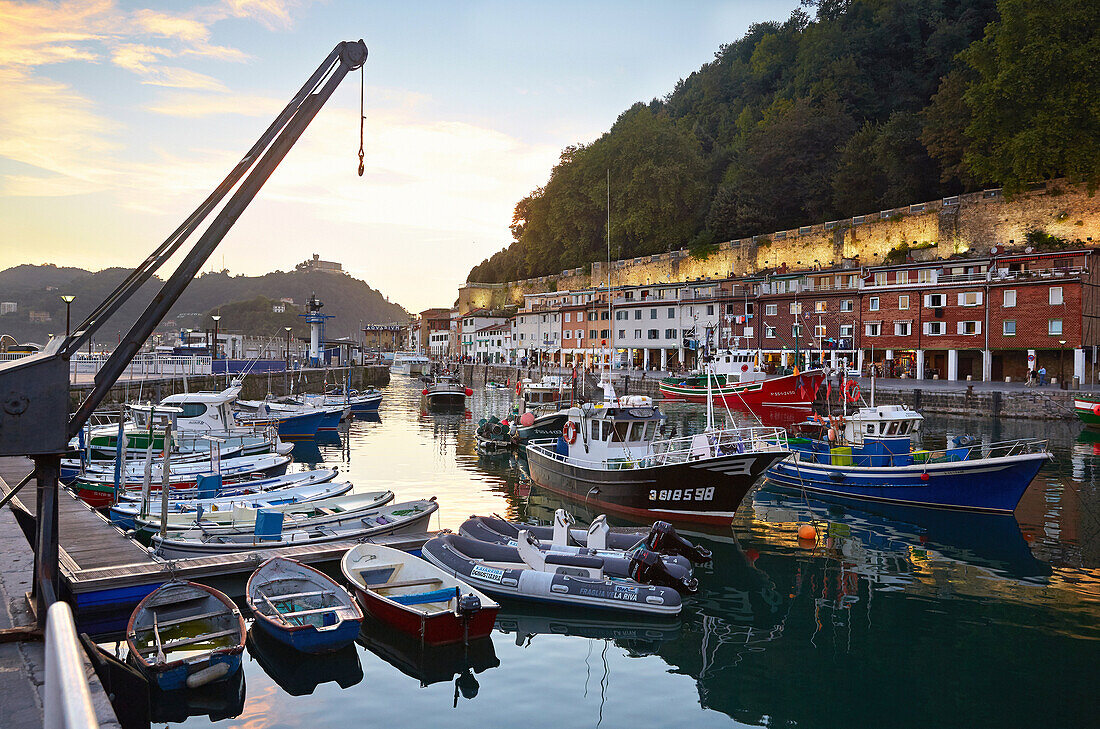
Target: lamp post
(68, 299)
(216, 318)
(1061, 368)
(287, 347)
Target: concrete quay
(23, 662)
(941, 397)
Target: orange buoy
(807, 531)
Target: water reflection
(300, 674)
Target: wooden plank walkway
(99, 564)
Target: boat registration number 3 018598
(700, 494)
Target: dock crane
(34, 391)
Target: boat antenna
(609, 391)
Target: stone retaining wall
(256, 386)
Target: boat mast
(608, 349)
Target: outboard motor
(664, 539)
(468, 605)
(647, 568)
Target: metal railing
(146, 364)
(949, 454)
(67, 703)
(682, 449)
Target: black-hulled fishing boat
(609, 455)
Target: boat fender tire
(569, 432)
(836, 476)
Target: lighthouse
(316, 330)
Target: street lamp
(68, 299)
(287, 347)
(216, 318)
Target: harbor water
(893, 617)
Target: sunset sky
(117, 118)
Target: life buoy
(1096, 409)
(569, 432)
(851, 391)
(744, 368)
(517, 386)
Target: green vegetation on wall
(870, 104)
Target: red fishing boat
(737, 381)
(416, 597)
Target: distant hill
(39, 289)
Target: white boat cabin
(737, 365)
(194, 411)
(881, 421)
(618, 430)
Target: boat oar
(156, 636)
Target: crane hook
(362, 118)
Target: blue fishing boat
(185, 635)
(291, 424)
(869, 455)
(302, 607)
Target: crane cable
(362, 118)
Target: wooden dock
(103, 569)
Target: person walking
(1042, 376)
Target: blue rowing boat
(869, 455)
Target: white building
(493, 344)
(470, 323)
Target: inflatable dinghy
(661, 537)
(616, 562)
(525, 572)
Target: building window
(748, 308)
(591, 316)
(622, 334)
(729, 308)
(710, 309)
(1009, 327)
(591, 333)
(935, 301)
(1010, 298)
(796, 331)
(934, 328)
(820, 307)
(847, 330)
(903, 277)
(652, 313)
(880, 278)
(819, 330)
(637, 313)
(605, 333)
(771, 309)
(653, 334)
(1054, 326)
(924, 275)
(671, 312)
(769, 332)
(605, 316)
(670, 334)
(872, 303)
(796, 307)
(872, 329)
(637, 333)
(1055, 295)
(846, 305)
(970, 298)
(969, 327)
(902, 328)
(903, 302)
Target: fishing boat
(236, 489)
(524, 572)
(359, 402)
(241, 519)
(185, 635)
(609, 455)
(415, 597)
(99, 490)
(737, 381)
(289, 423)
(302, 607)
(410, 517)
(662, 537)
(550, 390)
(410, 363)
(493, 435)
(331, 415)
(446, 391)
(869, 455)
(1087, 409)
(125, 514)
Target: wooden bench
(408, 583)
(172, 645)
(180, 621)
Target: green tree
(1035, 103)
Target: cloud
(272, 14)
(194, 106)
